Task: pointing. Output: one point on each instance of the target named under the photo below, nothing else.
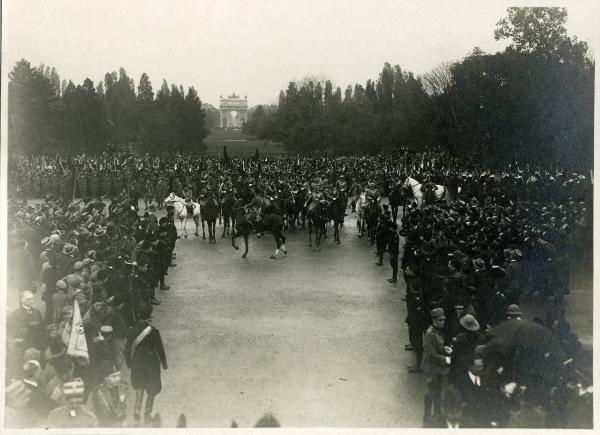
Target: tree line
(532, 102)
(46, 115)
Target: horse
(360, 205)
(210, 211)
(335, 212)
(287, 204)
(317, 217)
(181, 213)
(268, 222)
(227, 204)
(440, 192)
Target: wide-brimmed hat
(68, 249)
(513, 310)
(99, 232)
(478, 264)
(469, 322)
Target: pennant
(77, 343)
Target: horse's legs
(246, 243)
(282, 237)
(214, 230)
(180, 233)
(196, 219)
(203, 233)
(225, 225)
(394, 211)
(185, 227)
(310, 228)
(278, 243)
(234, 235)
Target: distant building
(233, 111)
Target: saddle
(190, 207)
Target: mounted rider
(429, 189)
(315, 193)
(371, 192)
(189, 203)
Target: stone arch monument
(233, 111)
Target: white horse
(361, 203)
(181, 213)
(440, 192)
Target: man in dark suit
(452, 414)
(475, 393)
(25, 324)
(144, 355)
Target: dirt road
(316, 337)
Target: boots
(427, 414)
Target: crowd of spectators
(508, 236)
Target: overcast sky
(253, 47)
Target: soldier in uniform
(74, 414)
(106, 184)
(145, 354)
(381, 234)
(393, 250)
(65, 180)
(436, 364)
(107, 400)
(82, 184)
(93, 182)
(416, 321)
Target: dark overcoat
(145, 362)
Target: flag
(77, 344)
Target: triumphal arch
(233, 111)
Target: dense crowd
(468, 265)
(97, 270)
(507, 235)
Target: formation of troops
(506, 237)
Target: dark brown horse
(227, 203)
(317, 218)
(246, 225)
(335, 212)
(209, 210)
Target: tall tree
(145, 93)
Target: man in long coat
(436, 364)
(144, 355)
